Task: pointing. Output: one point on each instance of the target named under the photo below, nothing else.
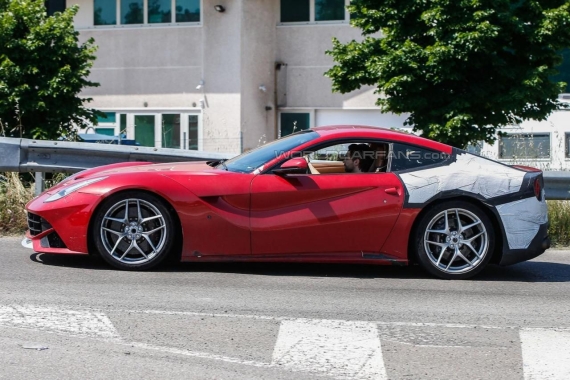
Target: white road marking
(338, 348)
(197, 354)
(270, 318)
(74, 322)
(341, 349)
(546, 353)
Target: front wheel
(454, 240)
(133, 231)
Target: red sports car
(339, 194)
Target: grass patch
(559, 217)
(13, 198)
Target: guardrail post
(40, 185)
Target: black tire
(459, 253)
(140, 242)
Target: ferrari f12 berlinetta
(293, 200)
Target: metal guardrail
(44, 156)
(556, 185)
(23, 155)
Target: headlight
(70, 189)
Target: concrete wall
(258, 46)
(159, 67)
(83, 18)
(302, 48)
(221, 49)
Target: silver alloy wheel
(133, 231)
(456, 241)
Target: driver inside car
(358, 159)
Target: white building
(228, 75)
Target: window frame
(519, 158)
(145, 23)
(108, 124)
(312, 20)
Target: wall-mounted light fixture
(200, 85)
(219, 8)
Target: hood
(191, 166)
(197, 167)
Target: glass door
(171, 131)
(144, 130)
(193, 132)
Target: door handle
(393, 191)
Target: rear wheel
(133, 231)
(454, 240)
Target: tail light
(538, 188)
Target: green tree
(43, 68)
(461, 68)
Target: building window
(475, 148)
(106, 124)
(187, 10)
(53, 6)
(292, 122)
(313, 10)
(105, 131)
(519, 145)
(123, 125)
(105, 12)
(132, 12)
(109, 117)
(567, 141)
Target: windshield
(248, 162)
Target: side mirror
(293, 166)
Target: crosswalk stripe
(546, 353)
(337, 348)
(74, 322)
(341, 349)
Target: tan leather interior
(329, 166)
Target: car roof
(366, 131)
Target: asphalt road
(75, 317)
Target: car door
(342, 214)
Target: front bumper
(59, 227)
(538, 245)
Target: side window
(405, 157)
(350, 157)
(330, 153)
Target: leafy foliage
(461, 68)
(43, 68)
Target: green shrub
(559, 217)
(13, 198)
